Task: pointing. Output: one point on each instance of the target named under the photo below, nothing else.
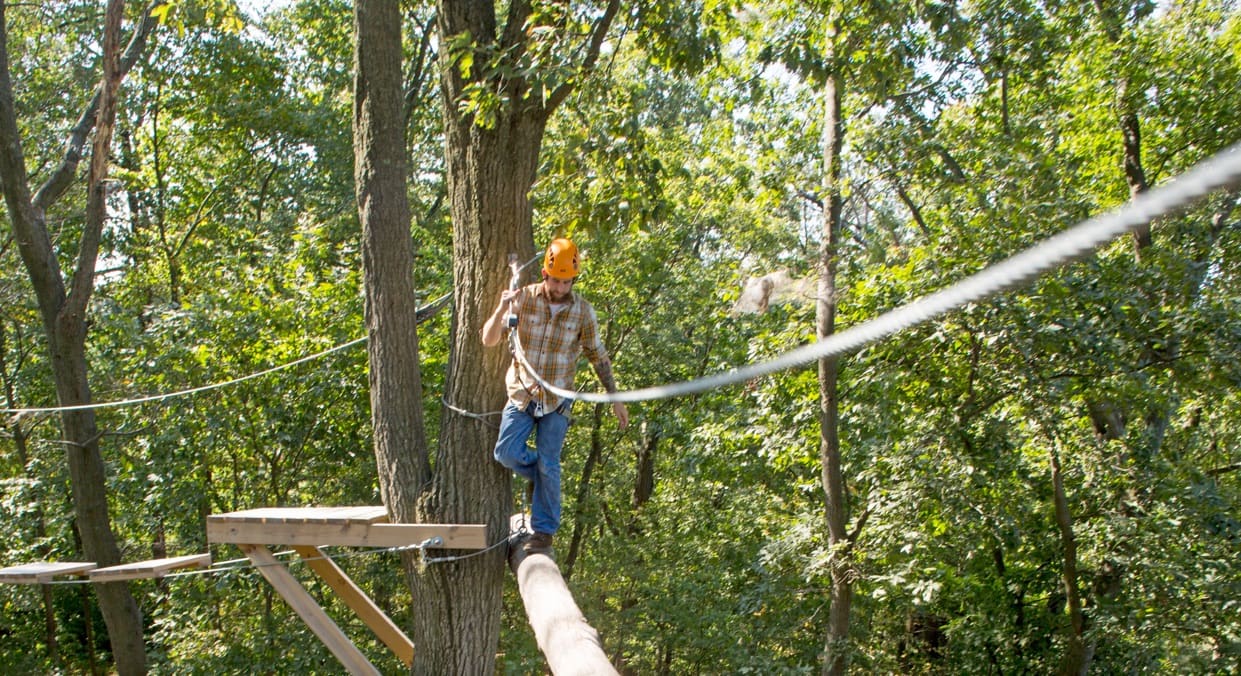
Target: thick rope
(1218, 172)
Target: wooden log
(569, 644)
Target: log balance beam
(569, 644)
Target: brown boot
(538, 543)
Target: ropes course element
(426, 309)
(1223, 170)
(232, 566)
(482, 417)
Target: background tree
(63, 306)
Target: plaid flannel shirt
(552, 345)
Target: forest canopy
(1045, 480)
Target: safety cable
(1223, 170)
(204, 388)
(238, 565)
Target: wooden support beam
(309, 528)
(42, 572)
(356, 599)
(141, 570)
(570, 645)
(308, 609)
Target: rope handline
(1223, 170)
(205, 388)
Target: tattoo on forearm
(604, 371)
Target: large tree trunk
(491, 166)
(401, 453)
(489, 175)
(64, 319)
(836, 649)
(387, 260)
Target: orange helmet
(561, 260)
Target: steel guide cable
(1221, 171)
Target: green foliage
(682, 167)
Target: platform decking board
(452, 536)
(42, 572)
(306, 515)
(140, 570)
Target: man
(555, 325)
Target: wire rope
(237, 565)
(205, 388)
(1223, 170)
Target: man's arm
(493, 329)
(603, 369)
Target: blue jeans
(541, 464)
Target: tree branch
(600, 31)
(1225, 469)
(63, 176)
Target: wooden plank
(143, 570)
(308, 609)
(42, 572)
(453, 536)
(355, 598)
(306, 515)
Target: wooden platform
(42, 572)
(146, 570)
(336, 526)
(307, 529)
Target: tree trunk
(64, 320)
(387, 260)
(1077, 657)
(836, 648)
(490, 168)
(401, 453)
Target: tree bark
(836, 648)
(401, 453)
(63, 309)
(1077, 657)
(387, 260)
(491, 166)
